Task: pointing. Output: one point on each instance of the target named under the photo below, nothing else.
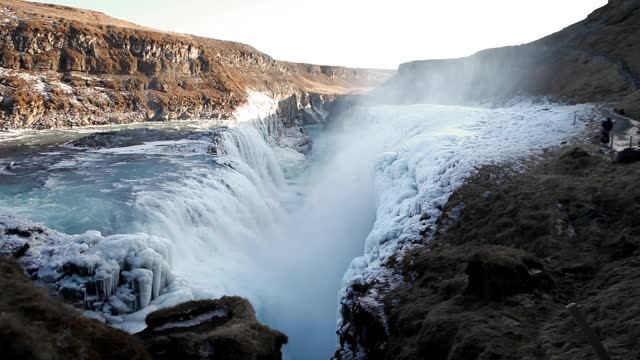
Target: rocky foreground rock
(62, 67)
(34, 325)
(220, 329)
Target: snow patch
(195, 321)
(258, 106)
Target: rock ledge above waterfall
(226, 328)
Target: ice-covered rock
(420, 154)
(111, 277)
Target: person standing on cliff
(607, 125)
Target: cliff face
(595, 60)
(510, 252)
(63, 67)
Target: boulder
(628, 156)
(226, 328)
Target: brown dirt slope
(595, 60)
(36, 326)
(511, 251)
(61, 66)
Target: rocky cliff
(62, 67)
(595, 60)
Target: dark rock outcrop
(497, 272)
(628, 156)
(211, 329)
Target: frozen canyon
(197, 210)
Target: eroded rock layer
(62, 67)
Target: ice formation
(426, 152)
(112, 277)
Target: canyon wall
(63, 67)
(595, 60)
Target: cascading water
(239, 227)
(219, 216)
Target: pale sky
(356, 33)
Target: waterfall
(219, 216)
(359, 203)
(241, 222)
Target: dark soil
(512, 250)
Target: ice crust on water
(195, 321)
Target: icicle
(142, 287)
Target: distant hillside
(61, 67)
(594, 60)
